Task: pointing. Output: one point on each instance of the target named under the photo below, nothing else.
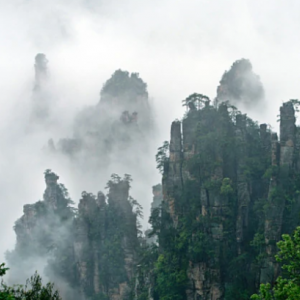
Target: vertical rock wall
(283, 159)
(231, 159)
(94, 251)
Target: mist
(177, 47)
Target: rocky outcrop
(108, 130)
(287, 134)
(157, 196)
(41, 96)
(127, 93)
(94, 251)
(173, 182)
(283, 158)
(41, 69)
(43, 226)
(240, 85)
(106, 242)
(243, 189)
(226, 160)
(204, 277)
(44, 217)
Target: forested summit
(230, 189)
(240, 85)
(123, 83)
(109, 129)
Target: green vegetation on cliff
(287, 287)
(230, 190)
(33, 289)
(92, 250)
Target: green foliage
(33, 289)
(3, 269)
(271, 172)
(144, 275)
(195, 101)
(226, 188)
(171, 277)
(171, 264)
(113, 229)
(110, 226)
(296, 104)
(287, 287)
(162, 156)
(206, 208)
(217, 202)
(258, 244)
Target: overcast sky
(178, 47)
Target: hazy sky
(178, 47)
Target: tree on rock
(33, 289)
(287, 287)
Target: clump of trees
(32, 290)
(162, 156)
(197, 221)
(287, 286)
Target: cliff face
(230, 189)
(38, 229)
(157, 196)
(106, 242)
(282, 197)
(93, 251)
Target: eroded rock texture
(106, 242)
(228, 186)
(44, 227)
(89, 254)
